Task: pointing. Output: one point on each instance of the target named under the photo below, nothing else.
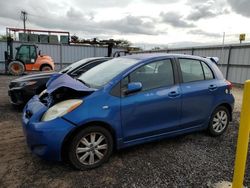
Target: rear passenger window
(191, 70)
(207, 71)
(153, 75)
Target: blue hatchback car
(126, 101)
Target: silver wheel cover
(91, 148)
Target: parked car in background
(137, 99)
(25, 87)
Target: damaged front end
(63, 88)
(43, 123)
(63, 94)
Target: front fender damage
(63, 87)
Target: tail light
(229, 85)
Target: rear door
(156, 108)
(197, 87)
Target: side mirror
(39, 52)
(133, 87)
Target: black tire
(217, 128)
(74, 158)
(46, 68)
(16, 68)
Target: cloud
(136, 20)
(74, 19)
(72, 13)
(175, 19)
(12, 8)
(127, 25)
(240, 6)
(86, 4)
(130, 25)
(208, 9)
(162, 1)
(204, 33)
(201, 11)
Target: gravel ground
(194, 160)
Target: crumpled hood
(64, 80)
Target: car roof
(95, 58)
(148, 56)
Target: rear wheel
(46, 68)
(219, 121)
(90, 148)
(16, 68)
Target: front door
(156, 108)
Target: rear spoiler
(214, 59)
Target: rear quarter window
(207, 71)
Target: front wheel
(219, 121)
(90, 148)
(16, 68)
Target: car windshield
(75, 65)
(100, 75)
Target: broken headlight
(61, 109)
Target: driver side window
(153, 75)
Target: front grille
(15, 96)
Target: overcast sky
(139, 21)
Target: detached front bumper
(44, 139)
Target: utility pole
(24, 18)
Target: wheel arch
(229, 108)
(45, 64)
(70, 135)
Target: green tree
(123, 43)
(3, 38)
(75, 39)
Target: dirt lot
(194, 160)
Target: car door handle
(173, 94)
(212, 87)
